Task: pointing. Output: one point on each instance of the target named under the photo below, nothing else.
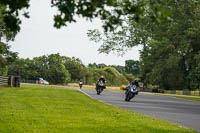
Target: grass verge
(75, 85)
(43, 109)
(194, 98)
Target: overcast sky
(38, 37)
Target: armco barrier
(4, 81)
(30, 81)
(11, 81)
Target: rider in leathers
(103, 80)
(131, 85)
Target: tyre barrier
(177, 92)
(184, 92)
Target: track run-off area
(185, 113)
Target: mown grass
(194, 98)
(42, 109)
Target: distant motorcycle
(131, 92)
(80, 84)
(100, 86)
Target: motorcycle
(80, 84)
(131, 92)
(99, 87)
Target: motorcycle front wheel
(98, 91)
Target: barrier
(11, 81)
(177, 92)
(4, 81)
(184, 92)
(30, 81)
(195, 93)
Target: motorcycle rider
(101, 79)
(135, 82)
(80, 83)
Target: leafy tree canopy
(132, 67)
(170, 54)
(6, 57)
(111, 12)
(75, 67)
(9, 17)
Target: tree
(9, 17)
(41, 65)
(25, 68)
(112, 76)
(89, 76)
(49, 67)
(75, 67)
(174, 45)
(57, 73)
(132, 66)
(130, 77)
(94, 65)
(9, 26)
(61, 70)
(195, 73)
(111, 12)
(170, 48)
(6, 57)
(120, 69)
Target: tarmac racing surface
(182, 112)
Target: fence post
(11, 81)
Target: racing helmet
(102, 77)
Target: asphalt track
(182, 112)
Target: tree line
(170, 58)
(59, 69)
(168, 31)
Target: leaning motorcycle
(100, 86)
(131, 92)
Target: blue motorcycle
(131, 91)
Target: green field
(42, 109)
